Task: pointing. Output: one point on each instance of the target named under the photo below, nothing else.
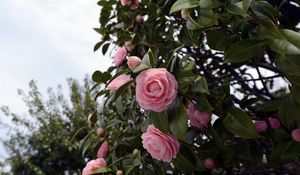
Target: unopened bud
(159, 12)
(119, 172)
(135, 152)
(100, 131)
(184, 14)
(184, 64)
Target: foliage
(44, 142)
(217, 51)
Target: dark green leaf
(160, 121)
(240, 124)
(97, 76)
(200, 85)
(179, 122)
(239, 8)
(184, 4)
(244, 50)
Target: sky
(48, 41)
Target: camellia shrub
(197, 87)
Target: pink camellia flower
(274, 122)
(103, 150)
(198, 119)
(296, 135)
(100, 131)
(118, 82)
(120, 56)
(161, 146)
(260, 125)
(129, 46)
(139, 19)
(93, 165)
(156, 89)
(209, 163)
(133, 62)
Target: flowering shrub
(204, 97)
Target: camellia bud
(133, 62)
(184, 64)
(159, 11)
(260, 125)
(184, 14)
(135, 152)
(139, 19)
(129, 46)
(274, 122)
(103, 150)
(119, 172)
(209, 163)
(100, 131)
(296, 135)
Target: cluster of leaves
(216, 55)
(43, 142)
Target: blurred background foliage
(43, 142)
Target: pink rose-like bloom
(198, 119)
(120, 56)
(274, 122)
(296, 135)
(260, 125)
(156, 89)
(93, 165)
(161, 146)
(129, 46)
(139, 19)
(103, 150)
(100, 131)
(133, 62)
(118, 82)
(209, 163)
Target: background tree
(43, 142)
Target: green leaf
(278, 135)
(98, 45)
(160, 121)
(97, 76)
(149, 59)
(269, 106)
(219, 40)
(284, 153)
(240, 124)
(295, 91)
(140, 68)
(282, 41)
(187, 4)
(105, 48)
(178, 118)
(264, 10)
(182, 163)
(200, 85)
(239, 8)
(289, 111)
(102, 170)
(184, 4)
(244, 50)
(206, 18)
(286, 65)
(123, 88)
